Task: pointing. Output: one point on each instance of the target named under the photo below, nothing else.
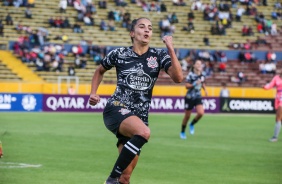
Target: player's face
(198, 65)
(142, 32)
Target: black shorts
(113, 116)
(191, 103)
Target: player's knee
(200, 114)
(145, 133)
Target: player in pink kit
(276, 82)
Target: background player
(276, 82)
(195, 81)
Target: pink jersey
(276, 82)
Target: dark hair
(133, 24)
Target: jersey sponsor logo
(152, 62)
(124, 111)
(138, 80)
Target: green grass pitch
(76, 148)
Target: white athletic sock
(277, 129)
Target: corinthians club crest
(152, 62)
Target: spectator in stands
(9, 19)
(1, 28)
(163, 7)
(39, 63)
(222, 67)
(204, 55)
(267, 67)
(77, 28)
(206, 40)
(120, 3)
(260, 27)
(220, 56)
(103, 25)
(190, 27)
(111, 25)
(221, 29)
(247, 45)
(207, 68)
(28, 13)
(66, 23)
(260, 41)
(71, 70)
(224, 92)
(30, 3)
(90, 8)
(191, 15)
(126, 19)
(186, 63)
(196, 5)
(102, 4)
(80, 62)
(77, 50)
(64, 37)
(63, 6)
(271, 56)
(247, 31)
(82, 41)
(239, 78)
(88, 20)
(16, 3)
(173, 18)
(239, 13)
(164, 26)
(273, 30)
(178, 3)
(58, 22)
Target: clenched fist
(94, 99)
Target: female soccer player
(276, 82)
(195, 81)
(126, 112)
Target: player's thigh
(199, 106)
(200, 109)
(133, 125)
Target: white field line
(11, 165)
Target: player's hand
(167, 39)
(94, 99)
(199, 81)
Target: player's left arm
(204, 88)
(175, 70)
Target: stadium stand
(44, 9)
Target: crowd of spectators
(33, 49)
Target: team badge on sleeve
(152, 62)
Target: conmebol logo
(256, 105)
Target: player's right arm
(96, 80)
(271, 84)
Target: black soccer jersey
(194, 92)
(136, 76)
